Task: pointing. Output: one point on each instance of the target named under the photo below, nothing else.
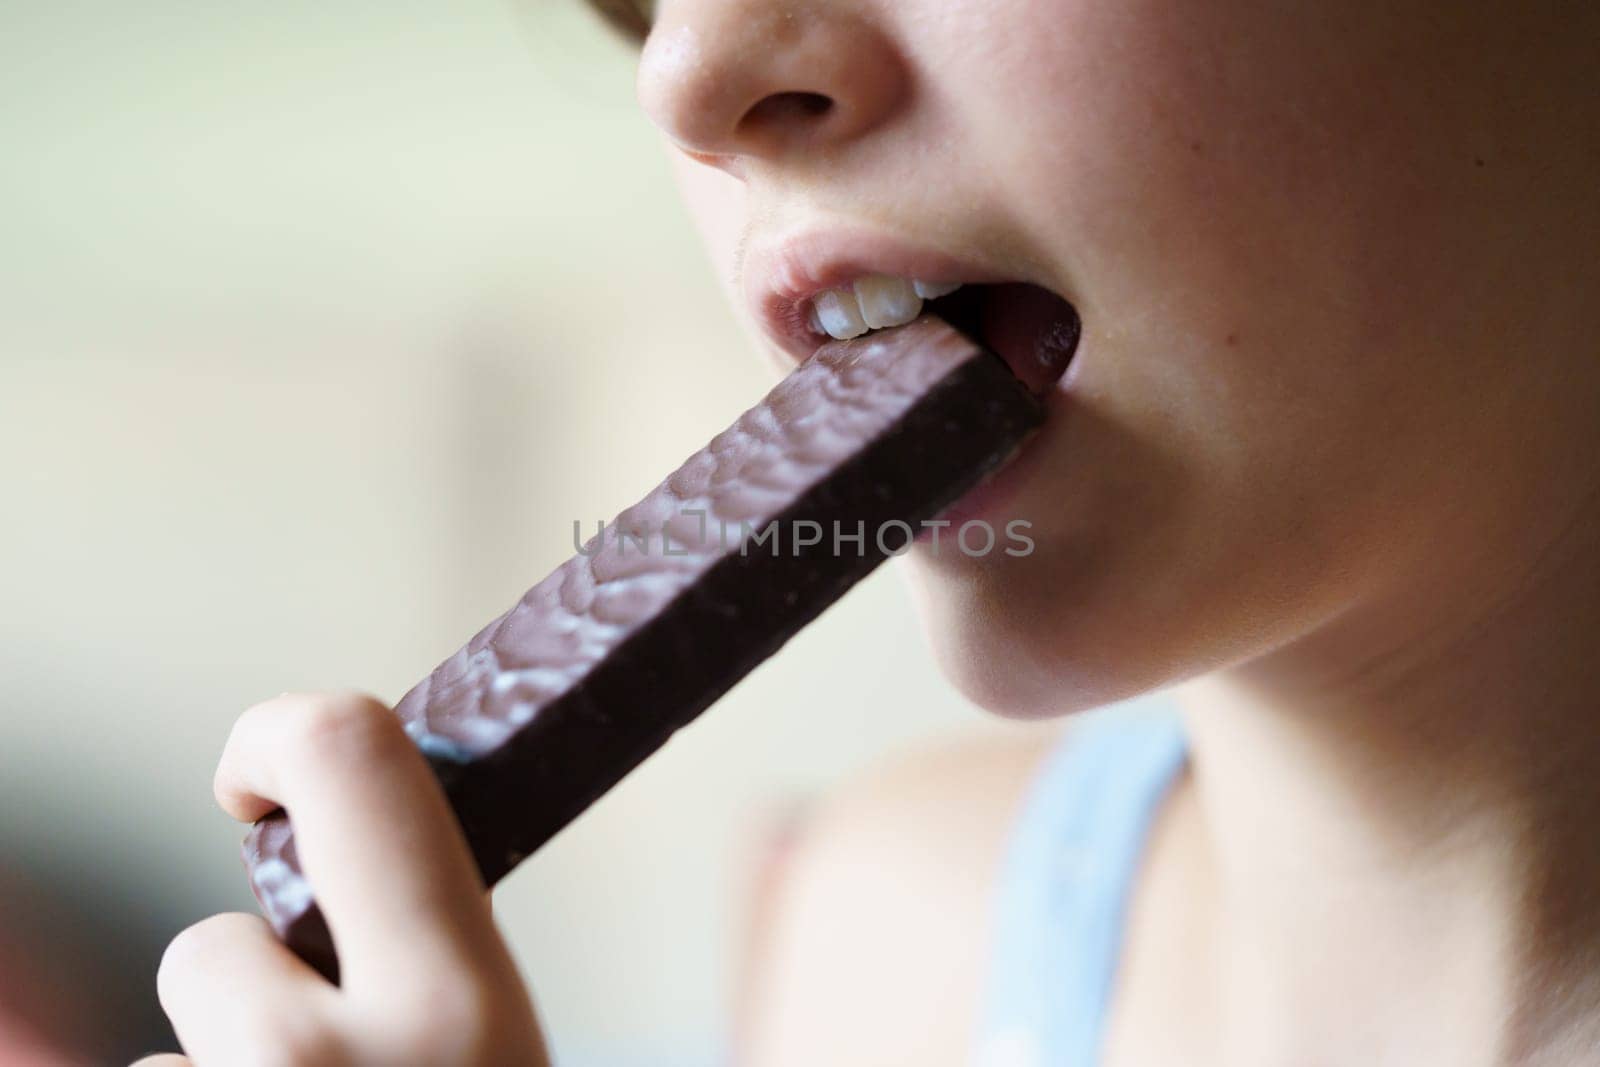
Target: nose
(735, 80)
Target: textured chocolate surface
(685, 592)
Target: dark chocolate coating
(554, 702)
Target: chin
(1082, 623)
(1092, 614)
(1009, 643)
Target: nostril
(778, 110)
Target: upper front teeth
(872, 303)
(934, 290)
(839, 314)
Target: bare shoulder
(874, 942)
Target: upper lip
(781, 276)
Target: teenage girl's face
(1270, 217)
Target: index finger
(375, 834)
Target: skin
(1325, 466)
(426, 977)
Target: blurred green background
(319, 326)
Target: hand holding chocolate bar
(427, 978)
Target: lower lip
(991, 500)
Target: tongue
(1032, 329)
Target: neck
(1405, 803)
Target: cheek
(716, 203)
(1234, 164)
(1230, 201)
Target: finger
(230, 987)
(374, 832)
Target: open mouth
(1033, 329)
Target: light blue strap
(1065, 884)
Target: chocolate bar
(668, 606)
